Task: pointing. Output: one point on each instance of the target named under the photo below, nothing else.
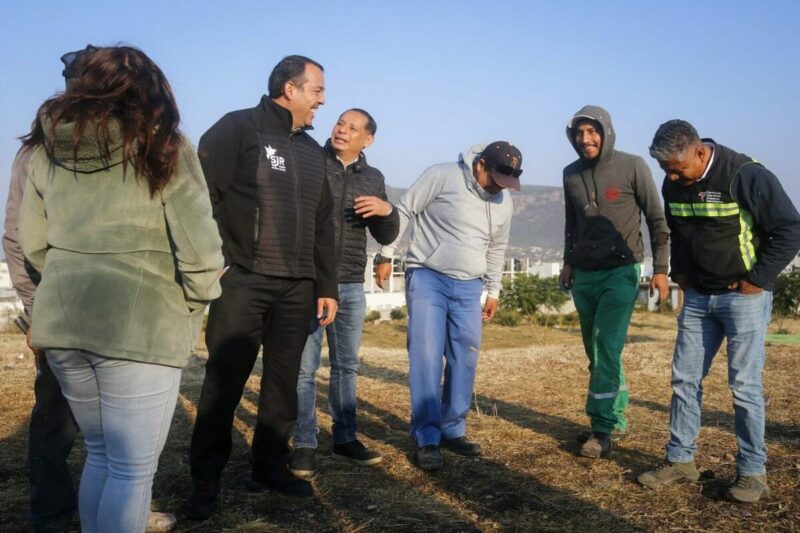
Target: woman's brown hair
(121, 87)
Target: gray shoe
(669, 473)
(749, 489)
(160, 522)
(303, 463)
(597, 446)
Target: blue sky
(440, 76)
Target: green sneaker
(749, 489)
(669, 473)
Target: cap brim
(504, 180)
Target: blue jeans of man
(444, 330)
(123, 409)
(702, 325)
(344, 339)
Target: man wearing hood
(605, 193)
(359, 197)
(461, 217)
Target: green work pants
(604, 300)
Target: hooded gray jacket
(458, 228)
(604, 199)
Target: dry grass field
(530, 391)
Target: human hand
(659, 282)
(382, 273)
(489, 309)
(565, 278)
(370, 206)
(326, 310)
(745, 286)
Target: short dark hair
(672, 139)
(290, 68)
(372, 126)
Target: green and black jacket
(735, 223)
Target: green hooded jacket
(124, 274)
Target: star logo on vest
(276, 161)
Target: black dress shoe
(281, 481)
(462, 446)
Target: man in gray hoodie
(606, 192)
(461, 218)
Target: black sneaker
(598, 445)
(303, 464)
(202, 502)
(462, 446)
(357, 452)
(616, 435)
(429, 458)
(280, 481)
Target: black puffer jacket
(358, 179)
(270, 196)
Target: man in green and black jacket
(733, 230)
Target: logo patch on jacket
(277, 162)
(612, 193)
(710, 196)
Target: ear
(369, 140)
(289, 89)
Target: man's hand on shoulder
(326, 310)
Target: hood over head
(602, 117)
(89, 156)
(466, 159)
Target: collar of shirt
(710, 160)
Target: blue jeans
(344, 339)
(123, 409)
(444, 319)
(703, 323)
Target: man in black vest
(266, 179)
(733, 229)
(360, 194)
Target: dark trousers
(51, 434)
(253, 310)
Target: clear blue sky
(440, 76)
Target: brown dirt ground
(530, 390)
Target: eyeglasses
(509, 171)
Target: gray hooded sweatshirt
(605, 198)
(458, 228)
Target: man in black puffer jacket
(266, 179)
(359, 197)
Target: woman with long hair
(116, 218)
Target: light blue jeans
(344, 339)
(123, 409)
(702, 325)
(444, 325)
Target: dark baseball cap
(506, 162)
(75, 61)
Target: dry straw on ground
(530, 391)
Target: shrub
(372, 316)
(786, 298)
(507, 317)
(531, 295)
(398, 313)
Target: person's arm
(383, 228)
(776, 220)
(495, 256)
(218, 152)
(21, 279)
(676, 271)
(33, 224)
(194, 235)
(421, 193)
(649, 203)
(325, 260)
(565, 277)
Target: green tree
(529, 295)
(786, 298)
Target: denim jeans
(703, 323)
(444, 319)
(123, 409)
(344, 339)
